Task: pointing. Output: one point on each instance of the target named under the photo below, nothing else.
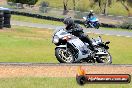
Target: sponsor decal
(83, 78)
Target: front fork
(66, 49)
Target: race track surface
(96, 31)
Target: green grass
(42, 21)
(120, 48)
(45, 82)
(24, 44)
(35, 20)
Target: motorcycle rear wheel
(64, 56)
(86, 24)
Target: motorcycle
(70, 49)
(92, 22)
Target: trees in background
(103, 5)
(65, 6)
(30, 2)
(127, 5)
(75, 3)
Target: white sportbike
(70, 49)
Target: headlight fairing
(55, 39)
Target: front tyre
(97, 25)
(63, 55)
(105, 59)
(103, 56)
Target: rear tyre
(64, 56)
(86, 25)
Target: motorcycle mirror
(107, 42)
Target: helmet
(68, 21)
(91, 11)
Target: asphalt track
(96, 31)
(61, 64)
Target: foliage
(44, 4)
(103, 4)
(126, 25)
(85, 5)
(65, 6)
(30, 2)
(129, 2)
(127, 5)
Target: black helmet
(68, 21)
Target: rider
(77, 30)
(89, 16)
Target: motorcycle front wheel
(97, 25)
(63, 55)
(104, 58)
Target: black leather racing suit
(77, 30)
(89, 16)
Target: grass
(42, 21)
(35, 20)
(45, 82)
(24, 44)
(120, 48)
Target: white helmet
(91, 11)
